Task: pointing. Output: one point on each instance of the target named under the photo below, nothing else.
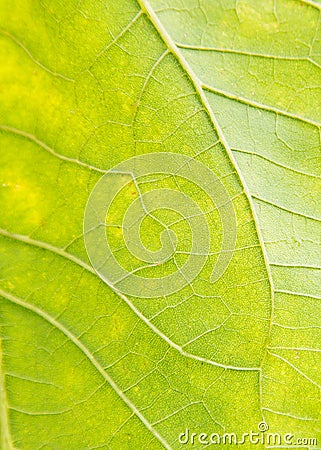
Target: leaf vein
(88, 354)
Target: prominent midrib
(312, 3)
(172, 47)
(5, 438)
(147, 9)
(87, 353)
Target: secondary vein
(46, 147)
(66, 255)
(89, 355)
(256, 104)
(6, 443)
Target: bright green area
(86, 85)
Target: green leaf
(211, 112)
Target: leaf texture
(233, 86)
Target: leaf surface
(89, 85)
